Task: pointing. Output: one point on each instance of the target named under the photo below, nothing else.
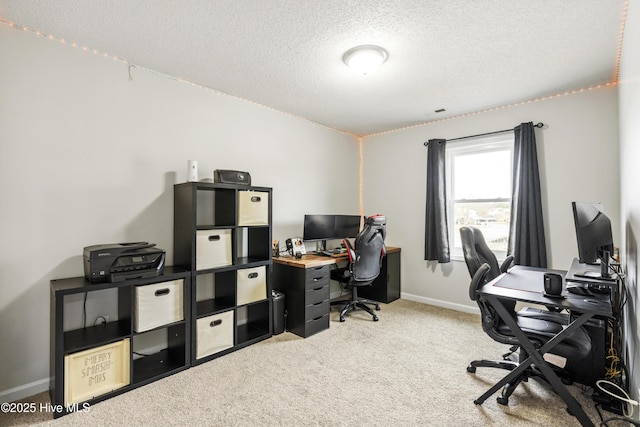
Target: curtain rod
(537, 125)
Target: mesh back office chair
(539, 326)
(364, 265)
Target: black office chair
(477, 252)
(364, 265)
(538, 327)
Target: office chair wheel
(377, 307)
(342, 318)
(471, 369)
(503, 400)
(375, 318)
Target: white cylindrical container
(192, 171)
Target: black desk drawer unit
(316, 293)
(316, 310)
(306, 293)
(386, 287)
(314, 326)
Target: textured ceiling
(460, 55)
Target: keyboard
(330, 252)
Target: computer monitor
(318, 227)
(593, 233)
(347, 226)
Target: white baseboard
(439, 303)
(25, 390)
(39, 386)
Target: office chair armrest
(350, 251)
(478, 280)
(383, 253)
(506, 264)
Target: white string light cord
(629, 404)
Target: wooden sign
(94, 372)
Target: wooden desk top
(315, 260)
(308, 261)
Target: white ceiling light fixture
(365, 59)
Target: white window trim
(469, 146)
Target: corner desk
(526, 284)
(305, 283)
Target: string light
(613, 82)
(178, 79)
(361, 175)
(358, 137)
(623, 21)
(496, 108)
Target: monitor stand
(587, 274)
(578, 271)
(604, 265)
(321, 245)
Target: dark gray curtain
(436, 245)
(526, 235)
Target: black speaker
(225, 176)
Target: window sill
(457, 258)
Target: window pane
(491, 218)
(482, 175)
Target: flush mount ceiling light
(365, 59)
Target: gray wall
(578, 154)
(88, 157)
(630, 180)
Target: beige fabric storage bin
(253, 208)
(213, 248)
(214, 334)
(158, 304)
(251, 285)
(94, 372)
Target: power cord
(612, 358)
(104, 321)
(630, 404)
(84, 311)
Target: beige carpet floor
(408, 369)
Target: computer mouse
(579, 290)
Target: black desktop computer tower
(592, 368)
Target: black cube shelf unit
(219, 293)
(222, 234)
(93, 361)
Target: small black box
(231, 177)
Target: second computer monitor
(347, 226)
(593, 232)
(330, 227)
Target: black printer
(120, 261)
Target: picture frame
(298, 246)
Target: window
(479, 184)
